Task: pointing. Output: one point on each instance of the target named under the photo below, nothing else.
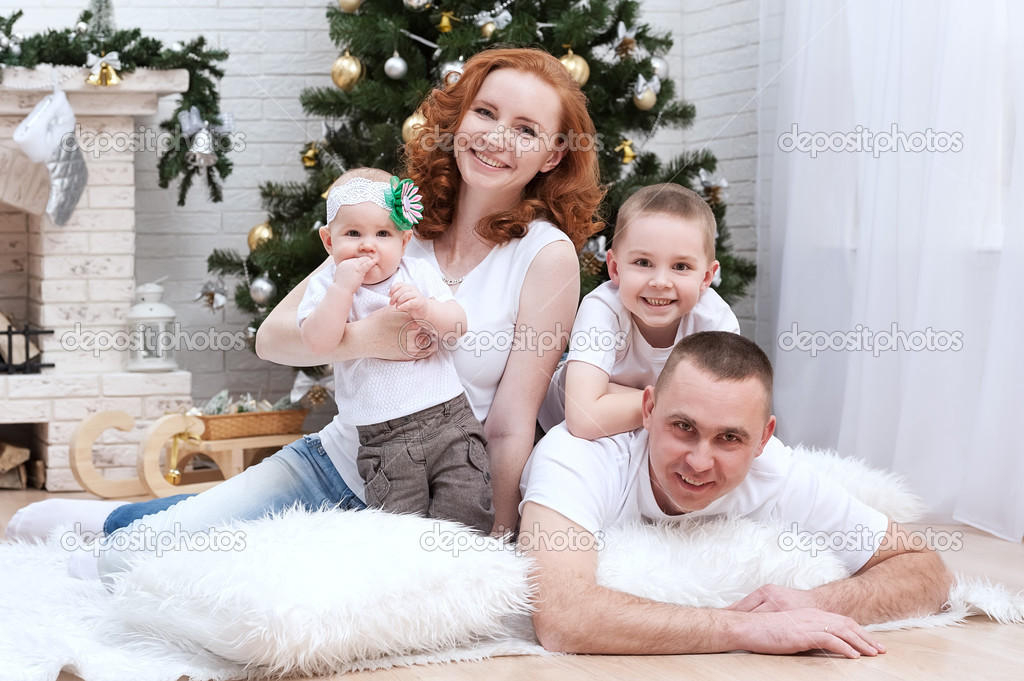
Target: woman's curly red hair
(568, 195)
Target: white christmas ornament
(396, 67)
(660, 67)
(47, 134)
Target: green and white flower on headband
(401, 198)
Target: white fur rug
(323, 593)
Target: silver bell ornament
(200, 153)
(395, 67)
(262, 289)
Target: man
(706, 448)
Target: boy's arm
(595, 407)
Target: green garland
(70, 48)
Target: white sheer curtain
(921, 247)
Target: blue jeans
(301, 474)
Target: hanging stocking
(47, 134)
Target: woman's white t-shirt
(490, 296)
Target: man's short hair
(672, 199)
(724, 356)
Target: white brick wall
(279, 47)
(714, 66)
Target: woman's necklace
(452, 282)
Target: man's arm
(575, 614)
(902, 579)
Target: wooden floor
(978, 650)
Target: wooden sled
(229, 455)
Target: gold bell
(446, 22)
(309, 157)
(627, 151)
(105, 76)
(173, 475)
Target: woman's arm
(547, 306)
(387, 334)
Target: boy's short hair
(724, 356)
(670, 199)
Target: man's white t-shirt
(605, 336)
(601, 483)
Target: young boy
(421, 449)
(660, 266)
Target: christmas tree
(395, 51)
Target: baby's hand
(407, 298)
(350, 273)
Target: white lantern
(152, 332)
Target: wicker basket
(253, 423)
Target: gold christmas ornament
(446, 22)
(309, 156)
(416, 120)
(350, 6)
(578, 67)
(626, 147)
(347, 71)
(487, 30)
(103, 70)
(645, 94)
(645, 100)
(317, 395)
(259, 234)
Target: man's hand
(407, 298)
(350, 273)
(774, 598)
(794, 631)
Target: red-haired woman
(507, 166)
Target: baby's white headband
(401, 198)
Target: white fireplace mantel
(78, 277)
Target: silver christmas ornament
(262, 290)
(660, 67)
(5, 42)
(177, 47)
(417, 5)
(396, 67)
(81, 27)
(453, 67)
(15, 50)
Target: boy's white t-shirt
(602, 483)
(605, 336)
(371, 390)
